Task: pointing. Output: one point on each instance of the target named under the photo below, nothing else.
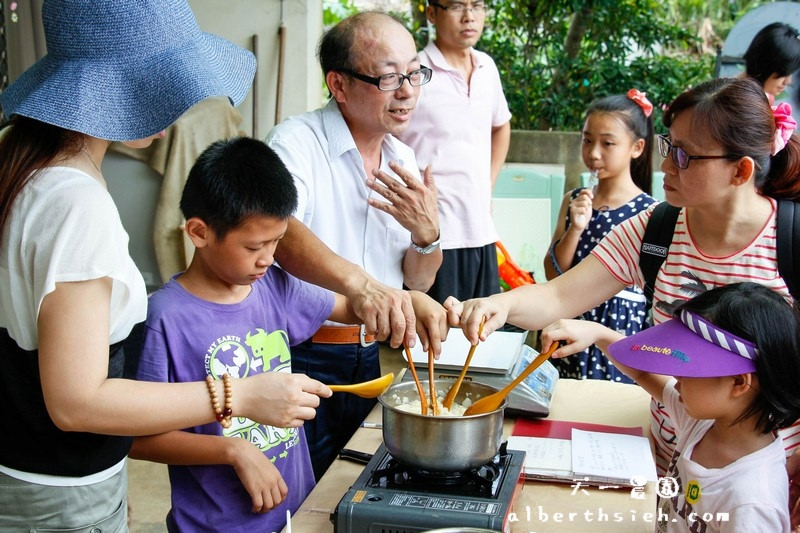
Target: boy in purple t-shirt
(230, 313)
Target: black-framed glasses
(681, 158)
(459, 8)
(394, 80)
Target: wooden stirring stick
(422, 399)
(447, 403)
(434, 399)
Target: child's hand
(580, 210)
(280, 399)
(578, 335)
(432, 326)
(260, 478)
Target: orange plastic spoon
(493, 401)
(447, 403)
(422, 399)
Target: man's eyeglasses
(459, 8)
(393, 81)
(679, 155)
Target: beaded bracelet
(223, 415)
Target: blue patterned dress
(624, 312)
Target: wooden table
(541, 507)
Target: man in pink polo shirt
(461, 127)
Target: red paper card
(562, 429)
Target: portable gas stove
(388, 496)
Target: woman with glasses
(728, 155)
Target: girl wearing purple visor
(733, 352)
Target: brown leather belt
(343, 335)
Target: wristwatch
(427, 249)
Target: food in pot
(413, 405)
(441, 443)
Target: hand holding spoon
(447, 403)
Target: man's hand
(413, 205)
(386, 313)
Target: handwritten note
(545, 456)
(611, 456)
(590, 456)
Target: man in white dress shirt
(360, 192)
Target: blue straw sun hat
(125, 69)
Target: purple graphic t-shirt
(188, 338)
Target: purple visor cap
(673, 349)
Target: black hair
(735, 113)
(336, 50)
(235, 179)
(775, 49)
(639, 126)
(762, 316)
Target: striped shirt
(686, 273)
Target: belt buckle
(362, 335)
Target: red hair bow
(784, 126)
(641, 100)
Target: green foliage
(549, 80)
(335, 10)
(555, 57)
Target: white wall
(239, 20)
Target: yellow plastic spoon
(493, 401)
(367, 389)
(447, 403)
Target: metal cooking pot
(444, 443)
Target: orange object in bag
(511, 275)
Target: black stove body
(389, 497)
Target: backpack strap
(788, 244)
(655, 245)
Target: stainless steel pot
(445, 443)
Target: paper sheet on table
(496, 354)
(611, 456)
(544, 457)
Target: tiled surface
(148, 495)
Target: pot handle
(355, 456)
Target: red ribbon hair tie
(641, 100)
(784, 126)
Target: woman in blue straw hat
(70, 294)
